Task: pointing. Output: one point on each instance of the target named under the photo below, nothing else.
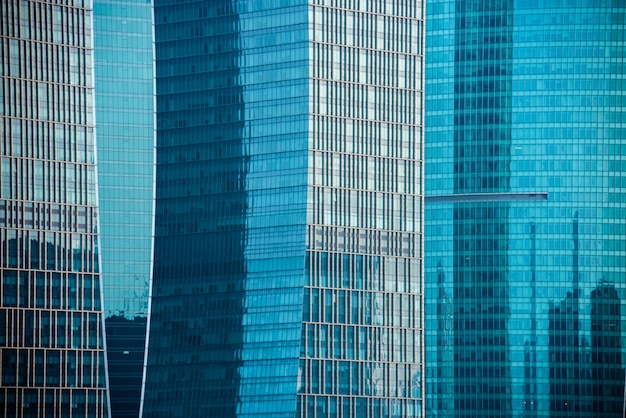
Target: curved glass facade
(525, 254)
(287, 277)
(51, 324)
(230, 211)
(124, 97)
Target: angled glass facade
(124, 98)
(288, 272)
(51, 322)
(525, 272)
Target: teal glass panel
(124, 98)
(525, 279)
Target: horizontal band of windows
(485, 197)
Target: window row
(46, 140)
(54, 403)
(40, 250)
(409, 9)
(368, 137)
(357, 101)
(46, 290)
(48, 217)
(46, 181)
(372, 67)
(365, 407)
(365, 209)
(366, 172)
(46, 102)
(362, 308)
(278, 134)
(220, 117)
(52, 368)
(46, 62)
(380, 379)
(63, 22)
(51, 329)
(387, 31)
(358, 271)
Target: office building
(526, 208)
(51, 323)
(288, 232)
(124, 102)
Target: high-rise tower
(288, 238)
(124, 99)
(51, 327)
(525, 248)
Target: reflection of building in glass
(287, 272)
(606, 348)
(124, 102)
(51, 336)
(568, 347)
(526, 208)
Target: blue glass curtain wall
(525, 294)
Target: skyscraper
(288, 238)
(124, 99)
(51, 328)
(526, 240)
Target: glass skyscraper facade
(124, 99)
(288, 232)
(51, 322)
(526, 208)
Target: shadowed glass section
(125, 123)
(525, 98)
(230, 211)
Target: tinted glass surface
(525, 295)
(124, 100)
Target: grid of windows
(124, 85)
(51, 344)
(524, 296)
(362, 317)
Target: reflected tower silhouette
(525, 205)
(606, 351)
(564, 343)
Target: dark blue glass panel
(230, 213)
